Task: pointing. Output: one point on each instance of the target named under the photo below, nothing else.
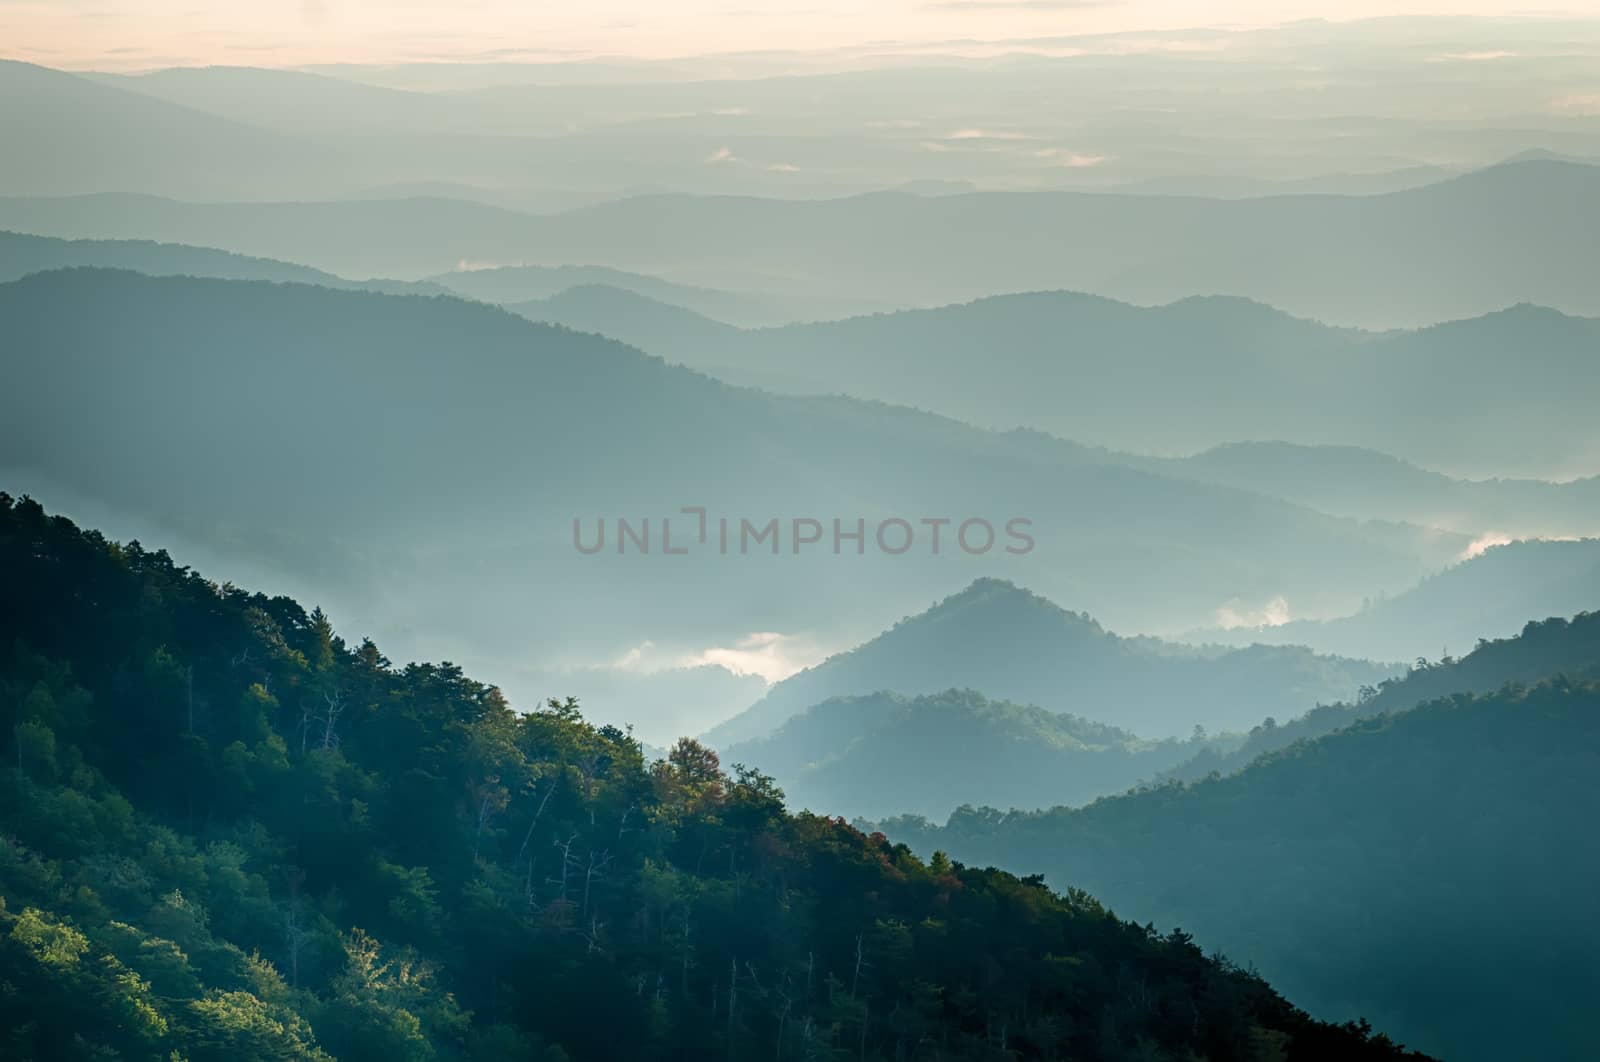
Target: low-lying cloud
(1234, 614)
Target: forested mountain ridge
(232, 836)
(452, 446)
(1490, 595)
(1012, 644)
(1172, 378)
(1353, 868)
(1352, 481)
(886, 754)
(1544, 648)
(22, 254)
(533, 287)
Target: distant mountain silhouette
(529, 289)
(1017, 646)
(1541, 649)
(1342, 481)
(1351, 481)
(884, 754)
(1241, 187)
(406, 238)
(1182, 377)
(1484, 597)
(67, 135)
(294, 100)
(457, 443)
(622, 314)
(21, 254)
(1351, 869)
(1405, 258)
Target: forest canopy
(231, 834)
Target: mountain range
(457, 444)
(565, 294)
(884, 754)
(1521, 231)
(1351, 868)
(1367, 484)
(1014, 645)
(1451, 611)
(22, 254)
(1095, 371)
(1541, 649)
(192, 869)
(1182, 377)
(453, 515)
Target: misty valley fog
(934, 531)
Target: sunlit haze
(137, 34)
(799, 531)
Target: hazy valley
(955, 532)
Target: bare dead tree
(567, 863)
(336, 706)
(327, 718)
(537, 812)
(596, 868)
(591, 934)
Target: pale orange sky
(135, 34)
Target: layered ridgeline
(665, 318)
(572, 295)
(885, 754)
(1352, 481)
(67, 135)
(1014, 645)
(359, 442)
(1406, 258)
(527, 287)
(231, 835)
(1488, 596)
(1432, 867)
(21, 254)
(1543, 648)
(811, 130)
(1063, 338)
(1463, 395)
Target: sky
(139, 34)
